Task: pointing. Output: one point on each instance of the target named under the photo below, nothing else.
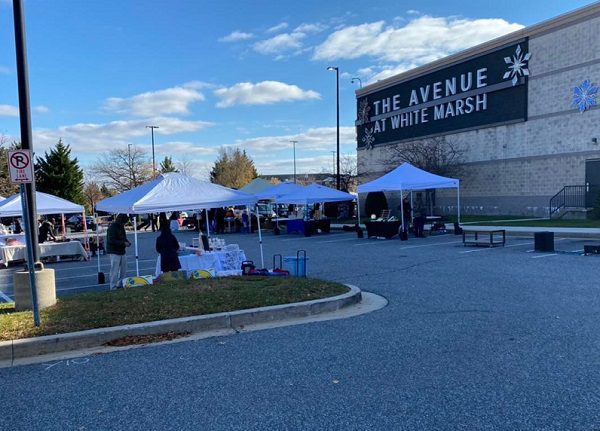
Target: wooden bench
(484, 237)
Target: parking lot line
(335, 240)
(544, 255)
(5, 298)
(490, 248)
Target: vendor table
(226, 260)
(11, 253)
(308, 227)
(386, 229)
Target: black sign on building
(490, 89)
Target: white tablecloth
(9, 253)
(229, 260)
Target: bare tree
(348, 173)
(123, 168)
(437, 155)
(93, 193)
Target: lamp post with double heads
(153, 163)
(294, 144)
(337, 94)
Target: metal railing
(568, 197)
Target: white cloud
(9, 111)
(278, 27)
(310, 28)
(421, 40)
(236, 36)
(262, 93)
(94, 137)
(189, 149)
(279, 44)
(174, 100)
(41, 109)
(313, 150)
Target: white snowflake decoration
(584, 96)
(517, 65)
(368, 139)
(363, 111)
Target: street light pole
(294, 144)
(153, 163)
(359, 82)
(337, 94)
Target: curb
(48, 344)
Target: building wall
(516, 168)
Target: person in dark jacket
(46, 232)
(116, 243)
(167, 246)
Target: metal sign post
(30, 259)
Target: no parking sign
(20, 166)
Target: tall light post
(294, 144)
(359, 82)
(337, 93)
(153, 163)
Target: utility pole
(153, 162)
(294, 144)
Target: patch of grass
(548, 223)
(164, 300)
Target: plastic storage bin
(296, 265)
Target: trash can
(296, 265)
(544, 241)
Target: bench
(484, 237)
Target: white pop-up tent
(406, 177)
(173, 192)
(45, 204)
(314, 193)
(255, 186)
(277, 190)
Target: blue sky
(214, 73)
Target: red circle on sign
(19, 160)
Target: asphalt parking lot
(472, 338)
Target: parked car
(76, 223)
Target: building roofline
(564, 20)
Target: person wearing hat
(116, 243)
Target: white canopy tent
(276, 191)
(314, 193)
(255, 186)
(406, 177)
(45, 204)
(174, 192)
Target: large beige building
(522, 109)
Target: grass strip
(164, 300)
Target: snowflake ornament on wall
(368, 139)
(584, 96)
(363, 111)
(517, 65)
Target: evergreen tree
(167, 166)
(233, 168)
(6, 187)
(58, 174)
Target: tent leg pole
(135, 240)
(262, 258)
(402, 209)
(458, 203)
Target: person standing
(153, 222)
(167, 246)
(419, 214)
(116, 243)
(46, 232)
